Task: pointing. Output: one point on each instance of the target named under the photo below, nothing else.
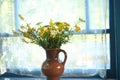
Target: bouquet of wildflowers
(52, 35)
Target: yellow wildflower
(77, 27)
(46, 31)
(67, 28)
(41, 33)
(66, 24)
(41, 28)
(57, 23)
(52, 35)
(51, 23)
(60, 28)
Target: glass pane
(57, 10)
(86, 51)
(6, 16)
(99, 14)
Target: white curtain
(88, 52)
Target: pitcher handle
(65, 56)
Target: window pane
(6, 16)
(98, 14)
(58, 10)
(86, 51)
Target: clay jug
(52, 67)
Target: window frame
(115, 21)
(112, 72)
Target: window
(93, 48)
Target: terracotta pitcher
(52, 67)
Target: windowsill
(11, 76)
(45, 79)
